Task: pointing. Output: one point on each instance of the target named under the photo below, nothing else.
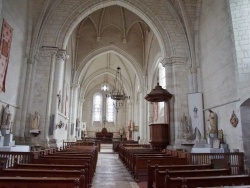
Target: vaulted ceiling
(110, 26)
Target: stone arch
(158, 58)
(98, 74)
(245, 124)
(84, 65)
(62, 29)
(86, 62)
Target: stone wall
(16, 14)
(218, 76)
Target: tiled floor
(110, 172)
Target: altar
(104, 135)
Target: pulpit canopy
(158, 94)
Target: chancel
(103, 88)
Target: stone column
(143, 128)
(192, 80)
(180, 91)
(73, 107)
(57, 87)
(129, 118)
(167, 63)
(48, 55)
(25, 123)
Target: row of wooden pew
(72, 167)
(170, 169)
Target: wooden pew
(41, 173)
(152, 168)
(132, 161)
(53, 167)
(42, 182)
(141, 164)
(89, 158)
(209, 181)
(160, 175)
(68, 161)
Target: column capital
(169, 61)
(166, 62)
(179, 60)
(62, 55)
(49, 51)
(75, 85)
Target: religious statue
(220, 136)
(35, 121)
(213, 122)
(6, 118)
(77, 123)
(78, 128)
(187, 133)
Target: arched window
(162, 82)
(110, 110)
(162, 76)
(97, 107)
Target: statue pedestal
(35, 133)
(6, 138)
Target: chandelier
(117, 93)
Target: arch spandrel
(68, 14)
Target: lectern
(159, 132)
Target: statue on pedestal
(213, 124)
(35, 121)
(6, 118)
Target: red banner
(5, 43)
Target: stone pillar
(129, 119)
(143, 128)
(57, 87)
(24, 125)
(73, 107)
(180, 91)
(167, 63)
(192, 80)
(47, 56)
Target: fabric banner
(5, 43)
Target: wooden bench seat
(132, 162)
(152, 168)
(41, 173)
(141, 164)
(55, 167)
(160, 175)
(68, 161)
(209, 181)
(42, 182)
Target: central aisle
(111, 173)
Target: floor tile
(110, 172)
